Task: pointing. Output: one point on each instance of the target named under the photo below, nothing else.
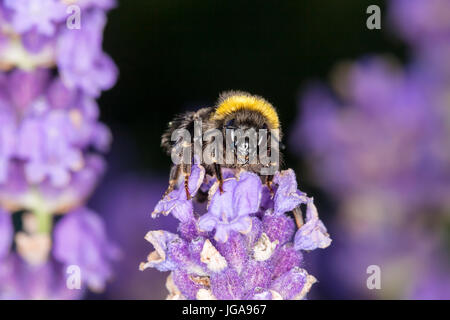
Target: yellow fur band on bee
(247, 102)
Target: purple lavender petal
(176, 202)
(96, 71)
(227, 285)
(290, 284)
(287, 197)
(40, 14)
(21, 281)
(6, 233)
(34, 41)
(247, 195)
(160, 258)
(25, 87)
(234, 251)
(285, 259)
(185, 284)
(59, 95)
(257, 274)
(230, 210)
(7, 143)
(312, 234)
(80, 239)
(279, 228)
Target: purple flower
(45, 144)
(6, 233)
(287, 197)
(312, 234)
(421, 22)
(23, 89)
(39, 14)
(425, 26)
(378, 143)
(380, 113)
(7, 142)
(251, 254)
(20, 281)
(38, 37)
(80, 239)
(95, 71)
(293, 284)
(48, 132)
(103, 4)
(229, 211)
(176, 201)
(160, 258)
(50, 140)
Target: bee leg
(298, 215)
(218, 173)
(173, 178)
(187, 174)
(269, 181)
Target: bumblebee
(234, 110)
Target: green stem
(45, 222)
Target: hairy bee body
(234, 110)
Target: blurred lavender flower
(425, 25)
(378, 143)
(251, 253)
(407, 256)
(39, 14)
(421, 22)
(20, 280)
(47, 142)
(117, 195)
(96, 71)
(35, 34)
(380, 113)
(6, 233)
(80, 239)
(51, 142)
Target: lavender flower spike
(243, 243)
(51, 145)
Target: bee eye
(230, 123)
(264, 126)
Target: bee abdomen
(183, 121)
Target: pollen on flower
(212, 257)
(264, 248)
(205, 294)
